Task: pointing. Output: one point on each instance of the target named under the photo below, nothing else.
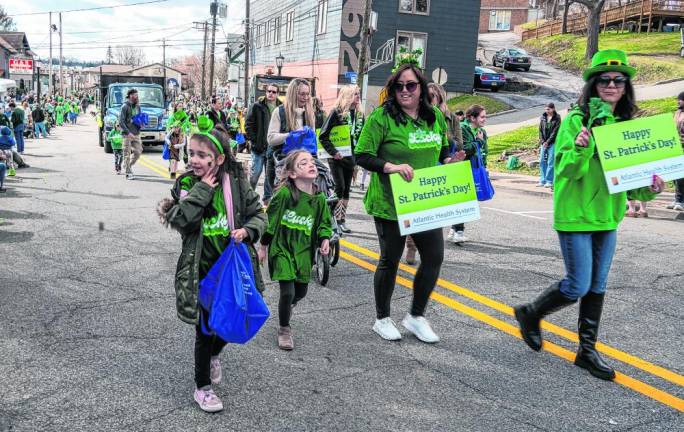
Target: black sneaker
(173, 176)
(3, 190)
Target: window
(276, 31)
(257, 36)
(322, 17)
(418, 7)
(267, 33)
(500, 20)
(289, 25)
(412, 41)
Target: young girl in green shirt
(299, 222)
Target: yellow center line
(622, 379)
(622, 356)
(154, 167)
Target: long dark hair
(224, 139)
(391, 105)
(626, 107)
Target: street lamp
(279, 62)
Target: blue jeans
(587, 257)
(3, 172)
(39, 128)
(546, 164)
(19, 137)
(258, 164)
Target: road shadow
(113, 196)
(9, 214)
(15, 237)
(359, 216)
(152, 179)
(14, 192)
(37, 156)
(39, 170)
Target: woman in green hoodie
(586, 215)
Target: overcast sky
(87, 34)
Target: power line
(92, 8)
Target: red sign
(19, 65)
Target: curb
(669, 81)
(503, 112)
(655, 213)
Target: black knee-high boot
(529, 315)
(588, 358)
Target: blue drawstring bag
(236, 309)
(166, 152)
(240, 138)
(303, 139)
(141, 119)
(483, 185)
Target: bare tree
(595, 8)
(128, 55)
(566, 9)
(6, 21)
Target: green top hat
(610, 60)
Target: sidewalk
(526, 185)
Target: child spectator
(6, 144)
(3, 171)
(116, 140)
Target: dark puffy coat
(186, 217)
(256, 125)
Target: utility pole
(164, 69)
(38, 95)
(61, 58)
(50, 89)
(203, 26)
(363, 55)
(214, 12)
(245, 96)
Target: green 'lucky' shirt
(215, 229)
(414, 143)
(294, 232)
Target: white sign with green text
(436, 197)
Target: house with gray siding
(321, 39)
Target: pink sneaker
(215, 370)
(207, 400)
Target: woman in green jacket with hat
(586, 215)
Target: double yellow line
(625, 380)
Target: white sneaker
(130, 176)
(678, 207)
(207, 400)
(386, 329)
(548, 185)
(671, 205)
(540, 184)
(459, 237)
(215, 371)
(450, 236)
(420, 327)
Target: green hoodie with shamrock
(581, 201)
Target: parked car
(488, 78)
(512, 58)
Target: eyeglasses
(605, 81)
(410, 86)
(272, 91)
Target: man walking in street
(39, 122)
(131, 132)
(17, 119)
(256, 127)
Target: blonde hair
(291, 105)
(441, 93)
(345, 99)
(289, 164)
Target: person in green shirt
(586, 215)
(116, 139)
(299, 222)
(59, 113)
(211, 204)
(404, 134)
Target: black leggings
(206, 347)
(342, 172)
(290, 293)
(430, 245)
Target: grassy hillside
(655, 55)
(463, 102)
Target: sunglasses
(271, 91)
(410, 86)
(605, 81)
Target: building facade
(321, 39)
(503, 15)
(20, 55)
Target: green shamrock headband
(204, 127)
(405, 56)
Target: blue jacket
(6, 138)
